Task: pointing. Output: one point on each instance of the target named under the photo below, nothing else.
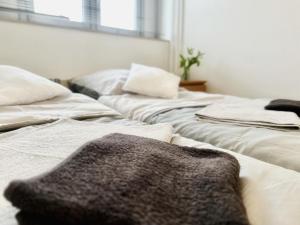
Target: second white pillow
(152, 81)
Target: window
(128, 17)
(60, 8)
(124, 16)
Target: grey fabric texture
(284, 105)
(76, 88)
(124, 179)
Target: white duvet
(271, 194)
(76, 106)
(274, 146)
(140, 107)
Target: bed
(270, 193)
(276, 146)
(38, 136)
(151, 95)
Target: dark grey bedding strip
(123, 179)
(83, 90)
(284, 105)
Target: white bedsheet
(271, 194)
(74, 106)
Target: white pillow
(104, 82)
(18, 86)
(152, 81)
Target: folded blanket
(123, 179)
(241, 114)
(284, 105)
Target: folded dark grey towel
(122, 179)
(284, 105)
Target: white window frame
(89, 24)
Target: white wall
(65, 53)
(252, 46)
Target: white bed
(271, 194)
(44, 133)
(276, 146)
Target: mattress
(279, 147)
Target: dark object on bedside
(83, 90)
(284, 105)
(122, 179)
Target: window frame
(89, 24)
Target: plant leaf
(190, 51)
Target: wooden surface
(194, 85)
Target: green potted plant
(186, 62)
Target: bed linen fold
(75, 106)
(139, 107)
(125, 179)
